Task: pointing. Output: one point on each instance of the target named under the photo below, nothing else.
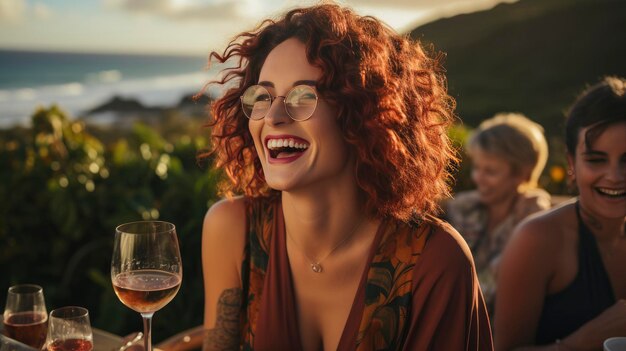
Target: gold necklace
(316, 265)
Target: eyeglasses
(300, 102)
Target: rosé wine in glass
(25, 315)
(146, 268)
(69, 330)
(71, 345)
(146, 290)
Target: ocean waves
(16, 105)
(78, 82)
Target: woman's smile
(611, 193)
(284, 148)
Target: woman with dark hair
(562, 277)
(333, 133)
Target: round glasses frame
(295, 92)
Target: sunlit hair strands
(392, 102)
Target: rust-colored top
(419, 290)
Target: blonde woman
(508, 153)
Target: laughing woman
(562, 278)
(333, 130)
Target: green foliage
(64, 192)
(459, 134)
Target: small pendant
(316, 267)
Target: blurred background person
(562, 275)
(508, 153)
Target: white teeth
(278, 143)
(611, 192)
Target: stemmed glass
(25, 316)
(146, 269)
(69, 330)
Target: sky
(178, 26)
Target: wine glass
(25, 316)
(146, 269)
(69, 330)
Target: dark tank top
(586, 297)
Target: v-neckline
(352, 324)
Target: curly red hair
(392, 99)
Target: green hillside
(532, 56)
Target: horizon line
(115, 52)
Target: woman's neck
(319, 219)
(604, 229)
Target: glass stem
(147, 331)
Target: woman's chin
(281, 184)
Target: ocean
(79, 81)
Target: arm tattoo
(225, 334)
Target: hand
(611, 322)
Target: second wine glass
(25, 316)
(146, 268)
(70, 330)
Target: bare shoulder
(227, 209)
(536, 245)
(225, 225)
(546, 228)
(223, 244)
(226, 214)
(529, 265)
